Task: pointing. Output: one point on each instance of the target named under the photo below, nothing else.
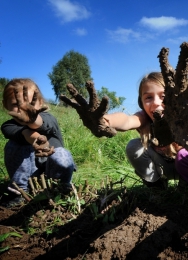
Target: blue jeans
(148, 164)
(21, 164)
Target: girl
(155, 165)
(35, 141)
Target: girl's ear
(140, 102)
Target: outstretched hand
(176, 94)
(27, 113)
(42, 147)
(91, 113)
(160, 130)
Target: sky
(121, 40)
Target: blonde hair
(147, 135)
(17, 83)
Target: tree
(3, 82)
(72, 68)
(114, 101)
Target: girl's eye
(147, 98)
(15, 105)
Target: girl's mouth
(158, 114)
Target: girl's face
(11, 102)
(152, 96)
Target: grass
(95, 157)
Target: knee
(181, 163)
(134, 149)
(63, 158)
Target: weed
(6, 235)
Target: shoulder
(144, 118)
(145, 121)
(49, 119)
(47, 115)
(10, 122)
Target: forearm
(122, 122)
(115, 120)
(39, 142)
(38, 122)
(30, 135)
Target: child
(35, 141)
(155, 165)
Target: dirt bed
(141, 228)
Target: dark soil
(136, 225)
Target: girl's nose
(157, 101)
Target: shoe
(11, 199)
(66, 188)
(18, 200)
(160, 184)
(182, 183)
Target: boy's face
(152, 97)
(12, 104)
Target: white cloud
(123, 35)
(178, 40)
(69, 11)
(163, 23)
(80, 31)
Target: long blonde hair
(146, 136)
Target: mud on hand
(90, 113)
(42, 147)
(176, 94)
(27, 113)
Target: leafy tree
(114, 101)
(3, 82)
(72, 68)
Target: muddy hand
(176, 94)
(42, 147)
(27, 113)
(161, 133)
(91, 113)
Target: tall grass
(96, 158)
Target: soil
(144, 224)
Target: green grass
(96, 158)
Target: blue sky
(121, 39)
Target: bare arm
(39, 142)
(30, 135)
(94, 117)
(122, 122)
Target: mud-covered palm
(160, 130)
(42, 147)
(176, 94)
(91, 113)
(27, 113)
